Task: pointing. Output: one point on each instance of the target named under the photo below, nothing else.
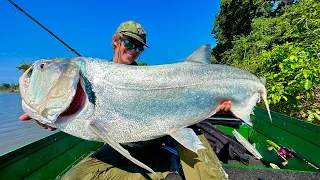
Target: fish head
(48, 87)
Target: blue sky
(175, 29)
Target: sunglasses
(130, 45)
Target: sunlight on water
(13, 132)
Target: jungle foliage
(280, 41)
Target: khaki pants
(106, 163)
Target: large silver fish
(100, 100)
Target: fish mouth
(54, 102)
(77, 102)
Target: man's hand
(224, 106)
(25, 117)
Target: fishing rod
(293, 153)
(20, 9)
(272, 143)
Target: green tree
(142, 64)
(235, 19)
(9, 87)
(286, 50)
(24, 66)
(5, 85)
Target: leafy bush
(285, 50)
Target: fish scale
(126, 104)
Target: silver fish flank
(118, 103)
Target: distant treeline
(278, 40)
(5, 87)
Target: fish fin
(102, 133)
(188, 138)
(245, 117)
(246, 144)
(245, 112)
(201, 55)
(134, 145)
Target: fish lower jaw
(35, 115)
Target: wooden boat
(52, 156)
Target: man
(128, 35)
(128, 43)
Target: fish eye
(42, 65)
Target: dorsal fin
(201, 55)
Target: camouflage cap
(133, 30)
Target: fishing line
(20, 9)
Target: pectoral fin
(201, 55)
(188, 138)
(101, 132)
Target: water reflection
(13, 132)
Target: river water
(15, 133)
